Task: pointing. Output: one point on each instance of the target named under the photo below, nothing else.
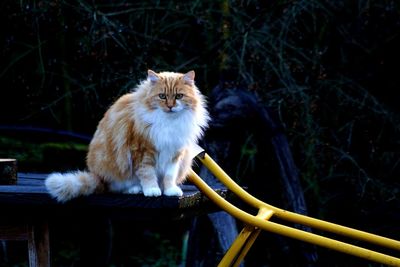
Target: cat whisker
(143, 142)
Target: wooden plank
(23, 189)
(35, 195)
(30, 198)
(32, 182)
(38, 244)
(28, 201)
(34, 179)
(28, 175)
(13, 231)
(8, 171)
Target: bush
(325, 68)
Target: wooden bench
(27, 208)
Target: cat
(143, 143)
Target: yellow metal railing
(256, 223)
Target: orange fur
(143, 142)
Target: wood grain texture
(27, 208)
(8, 171)
(39, 244)
(29, 197)
(13, 231)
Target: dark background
(328, 70)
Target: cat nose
(170, 105)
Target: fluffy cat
(143, 143)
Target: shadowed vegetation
(325, 68)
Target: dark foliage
(326, 68)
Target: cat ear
(152, 76)
(189, 77)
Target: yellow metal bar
(231, 185)
(244, 241)
(252, 238)
(291, 232)
(233, 252)
(263, 214)
(294, 217)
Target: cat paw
(152, 192)
(174, 191)
(136, 189)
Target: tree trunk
(252, 147)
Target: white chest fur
(172, 131)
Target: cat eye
(178, 96)
(162, 96)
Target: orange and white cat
(143, 143)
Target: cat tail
(66, 186)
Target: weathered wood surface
(14, 231)
(37, 236)
(29, 196)
(27, 208)
(39, 244)
(8, 171)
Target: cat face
(171, 92)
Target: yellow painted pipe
(263, 214)
(252, 238)
(232, 254)
(294, 217)
(243, 242)
(288, 231)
